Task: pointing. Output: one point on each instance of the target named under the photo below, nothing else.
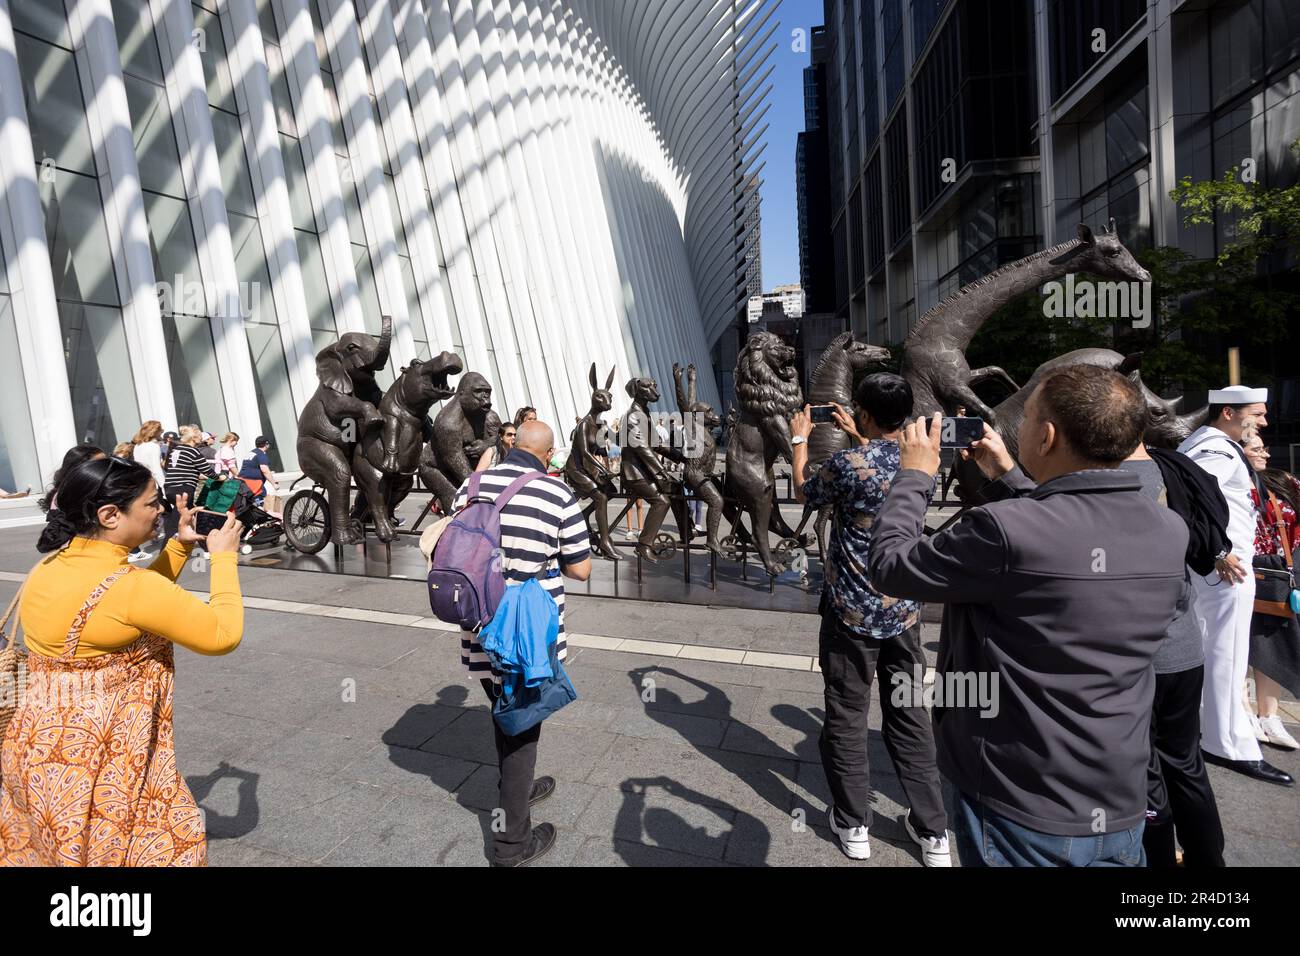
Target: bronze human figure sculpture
(698, 456)
(464, 429)
(767, 395)
(584, 471)
(643, 474)
(385, 461)
(343, 410)
(934, 354)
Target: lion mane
(760, 391)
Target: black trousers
(517, 759)
(1178, 786)
(849, 662)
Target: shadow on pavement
(244, 820)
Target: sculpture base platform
(746, 586)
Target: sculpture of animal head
(474, 393)
(767, 382)
(1165, 427)
(354, 358)
(602, 399)
(688, 402)
(860, 354)
(422, 383)
(1104, 256)
(643, 391)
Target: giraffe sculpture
(934, 353)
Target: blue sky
(780, 207)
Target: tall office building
(812, 184)
(968, 133)
(196, 197)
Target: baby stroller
(230, 494)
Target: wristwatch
(797, 440)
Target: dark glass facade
(1072, 25)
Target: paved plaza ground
(344, 731)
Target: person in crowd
(1180, 801)
(1225, 598)
(256, 470)
(866, 634)
(227, 456)
(147, 449)
(1274, 641)
(497, 453)
(207, 447)
(525, 414)
(1058, 597)
(186, 470)
(543, 535)
(124, 450)
(168, 444)
(71, 458)
(99, 633)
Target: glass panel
(99, 374)
(266, 20)
(216, 72)
(280, 90)
(235, 181)
(138, 49)
(1235, 45)
(42, 18)
(175, 256)
(1126, 132)
(80, 257)
(18, 466)
(155, 142)
(312, 266)
(1282, 128)
(55, 109)
(352, 205)
(274, 402)
(192, 359)
(250, 264)
(399, 226)
(296, 174)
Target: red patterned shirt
(1267, 539)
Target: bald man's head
(536, 438)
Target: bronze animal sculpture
(832, 382)
(697, 451)
(584, 472)
(342, 411)
(464, 429)
(934, 355)
(384, 462)
(767, 395)
(642, 472)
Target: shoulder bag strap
(73, 638)
(1281, 529)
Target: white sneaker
(934, 850)
(853, 840)
(141, 555)
(1276, 734)
(1256, 724)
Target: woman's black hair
(73, 457)
(1281, 484)
(85, 488)
(887, 398)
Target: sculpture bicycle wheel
(307, 521)
(732, 548)
(663, 547)
(788, 553)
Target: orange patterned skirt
(88, 762)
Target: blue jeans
(986, 839)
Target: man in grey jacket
(1058, 596)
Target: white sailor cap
(1238, 395)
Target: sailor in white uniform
(1225, 598)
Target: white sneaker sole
(857, 850)
(928, 857)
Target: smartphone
(959, 432)
(823, 414)
(207, 521)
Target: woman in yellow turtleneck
(88, 761)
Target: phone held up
(823, 414)
(959, 433)
(205, 522)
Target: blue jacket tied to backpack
(521, 634)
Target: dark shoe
(541, 843)
(1259, 769)
(543, 787)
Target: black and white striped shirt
(185, 468)
(542, 528)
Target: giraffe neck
(957, 318)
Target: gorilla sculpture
(464, 429)
(343, 410)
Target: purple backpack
(465, 581)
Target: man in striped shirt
(543, 535)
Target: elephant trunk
(385, 342)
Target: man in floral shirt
(865, 633)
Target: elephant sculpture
(343, 411)
(385, 461)
(464, 429)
